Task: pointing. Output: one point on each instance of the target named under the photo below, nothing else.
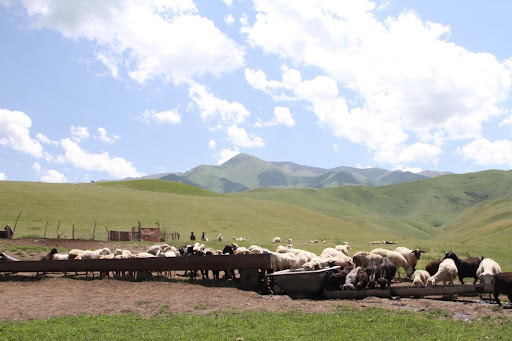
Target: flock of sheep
(364, 269)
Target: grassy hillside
(469, 214)
(182, 208)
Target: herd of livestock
(364, 269)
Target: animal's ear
(423, 251)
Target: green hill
(470, 213)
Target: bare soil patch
(29, 297)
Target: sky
(109, 89)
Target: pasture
(100, 308)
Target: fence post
(94, 231)
(108, 235)
(73, 233)
(58, 226)
(45, 229)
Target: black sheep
(386, 272)
(502, 284)
(465, 267)
(432, 267)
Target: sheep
(351, 278)
(289, 240)
(159, 248)
(276, 240)
(364, 258)
(397, 259)
(343, 248)
(446, 273)
(386, 271)
(123, 254)
(420, 278)
(204, 238)
(219, 237)
(412, 256)
(192, 236)
(239, 239)
(242, 251)
(284, 261)
(314, 241)
(6, 258)
(255, 249)
(337, 278)
(49, 256)
(502, 284)
(487, 268)
(144, 255)
(432, 267)
(465, 267)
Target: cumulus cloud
(48, 175)
(240, 138)
(163, 117)
(228, 19)
(44, 139)
(215, 110)
(76, 156)
(3, 177)
(408, 80)
(144, 39)
(485, 152)
(227, 154)
(15, 133)
(282, 116)
(103, 136)
(79, 133)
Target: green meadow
(470, 214)
(344, 323)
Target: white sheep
(219, 237)
(446, 273)
(276, 240)
(487, 269)
(122, 254)
(284, 261)
(420, 278)
(350, 280)
(364, 258)
(242, 251)
(343, 248)
(255, 249)
(159, 247)
(412, 256)
(397, 259)
(144, 255)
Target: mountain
(245, 171)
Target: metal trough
(296, 281)
(224, 262)
(439, 290)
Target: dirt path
(29, 297)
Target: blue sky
(95, 90)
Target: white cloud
(114, 166)
(44, 139)
(143, 38)
(227, 154)
(48, 175)
(212, 144)
(3, 177)
(336, 148)
(79, 133)
(216, 110)
(163, 117)
(409, 81)
(488, 153)
(228, 3)
(103, 136)
(15, 133)
(240, 138)
(229, 20)
(282, 116)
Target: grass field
(345, 323)
(470, 214)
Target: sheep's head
(431, 281)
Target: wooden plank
(439, 290)
(224, 262)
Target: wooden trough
(439, 290)
(224, 262)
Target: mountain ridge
(245, 171)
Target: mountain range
(244, 172)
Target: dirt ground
(27, 297)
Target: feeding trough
(298, 281)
